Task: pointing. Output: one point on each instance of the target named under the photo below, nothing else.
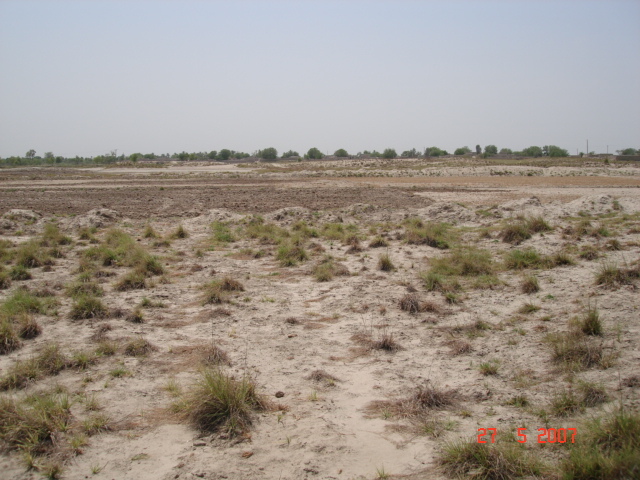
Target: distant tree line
(271, 154)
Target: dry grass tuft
(220, 403)
(459, 347)
(385, 263)
(420, 403)
(320, 376)
(138, 347)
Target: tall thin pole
(587, 147)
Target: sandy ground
(326, 432)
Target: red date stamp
(545, 435)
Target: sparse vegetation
(385, 263)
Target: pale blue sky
(87, 77)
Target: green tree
(478, 149)
(30, 154)
(413, 153)
(134, 157)
(224, 154)
(290, 153)
(532, 151)
(389, 153)
(506, 151)
(554, 151)
(628, 151)
(182, 156)
(268, 153)
(434, 152)
(212, 155)
(490, 149)
(462, 150)
(314, 154)
(341, 152)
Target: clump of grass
(459, 347)
(24, 301)
(304, 230)
(537, 224)
(5, 279)
(36, 427)
(337, 231)
(220, 403)
(436, 235)
(9, 339)
(212, 356)
(590, 323)
(228, 284)
(530, 284)
(222, 233)
(385, 263)
(87, 233)
(19, 273)
(32, 255)
(485, 461)
(611, 274)
(465, 262)
(327, 268)
(138, 347)
(489, 368)
(133, 280)
(589, 252)
(149, 232)
(420, 403)
(49, 361)
(515, 233)
(521, 259)
(565, 403)
(411, 303)
(79, 289)
(592, 394)
(265, 233)
(290, 254)
(528, 308)
(180, 232)
(608, 449)
(576, 352)
(354, 244)
(520, 401)
(51, 236)
(320, 376)
(136, 316)
(214, 294)
(27, 326)
(378, 242)
(86, 307)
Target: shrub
(220, 403)
(86, 306)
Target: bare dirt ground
(477, 337)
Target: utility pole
(587, 147)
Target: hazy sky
(87, 77)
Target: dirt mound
(98, 217)
(21, 215)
